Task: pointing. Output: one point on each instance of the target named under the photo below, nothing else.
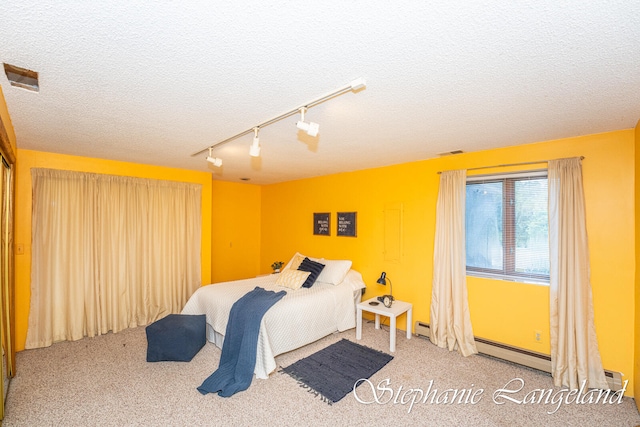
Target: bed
(301, 317)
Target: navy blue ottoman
(177, 337)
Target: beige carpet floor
(106, 381)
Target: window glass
(507, 227)
(532, 227)
(484, 225)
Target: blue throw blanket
(238, 358)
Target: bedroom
(243, 251)
(248, 226)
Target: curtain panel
(575, 357)
(450, 318)
(109, 253)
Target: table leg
(409, 323)
(392, 332)
(359, 324)
(377, 321)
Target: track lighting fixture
(254, 151)
(215, 161)
(310, 128)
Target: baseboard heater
(518, 355)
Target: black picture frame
(322, 224)
(347, 224)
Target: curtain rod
(511, 164)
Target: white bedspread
(301, 317)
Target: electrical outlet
(538, 336)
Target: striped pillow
(292, 279)
(312, 267)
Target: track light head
(310, 128)
(254, 151)
(215, 161)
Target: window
(507, 226)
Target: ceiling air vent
(21, 77)
(450, 153)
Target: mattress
(303, 316)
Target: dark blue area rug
(332, 371)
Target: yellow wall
(637, 299)
(236, 231)
(502, 311)
(27, 159)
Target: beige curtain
(450, 319)
(109, 253)
(574, 347)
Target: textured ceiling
(154, 82)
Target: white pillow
(292, 279)
(334, 271)
(354, 279)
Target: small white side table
(396, 309)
